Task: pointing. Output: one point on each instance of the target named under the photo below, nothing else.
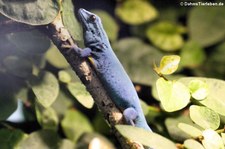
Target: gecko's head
(92, 26)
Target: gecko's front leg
(82, 52)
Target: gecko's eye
(92, 18)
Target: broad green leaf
(35, 12)
(166, 36)
(47, 117)
(216, 88)
(55, 58)
(174, 131)
(136, 12)
(11, 138)
(66, 144)
(18, 66)
(81, 94)
(45, 88)
(137, 59)
(169, 77)
(31, 43)
(108, 23)
(191, 130)
(64, 76)
(144, 137)
(74, 77)
(207, 28)
(170, 14)
(212, 140)
(215, 65)
(204, 117)
(192, 144)
(62, 103)
(168, 64)
(42, 139)
(192, 55)
(70, 21)
(173, 95)
(100, 125)
(94, 141)
(75, 124)
(8, 102)
(198, 89)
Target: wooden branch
(61, 38)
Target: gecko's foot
(81, 52)
(130, 114)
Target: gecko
(109, 69)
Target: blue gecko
(109, 69)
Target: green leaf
(32, 42)
(64, 76)
(137, 59)
(174, 131)
(42, 139)
(204, 117)
(70, 20)
(62, 103)
(212, 140)
(11, 138)
(214, 100)
(173, 95)
(144, 137)
(166, 36)
(55, 58)
(100, 125)
(19, 67)
(168, 64)
(215, 64)
(189, 129)
(45, 88)
(36, 12)
(192, 55)
(47, 117)
(136, 12)
(108, 23)
(66, 144)
(199, 89)
(207, 28)
(169, 77)
(192, 144)
(80, 93)
(75, 124)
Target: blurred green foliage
(141, 32)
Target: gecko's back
(109, 69)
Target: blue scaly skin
(110, 71)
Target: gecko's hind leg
(130, 114)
